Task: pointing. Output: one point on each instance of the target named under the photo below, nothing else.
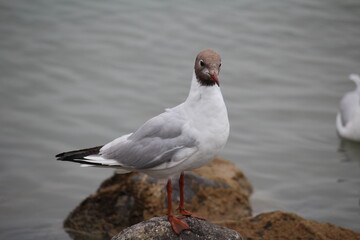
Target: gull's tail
(89, 157)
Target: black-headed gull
(348, 117)
(182, 138)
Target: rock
(217, 191)
(281, 225)
(159, 228)
(267, 226)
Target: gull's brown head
(207, 67)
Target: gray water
(77, 74)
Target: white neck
(198, 91)
(356, 79)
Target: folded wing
(154, 143)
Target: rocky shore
(219, 192)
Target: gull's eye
(202, 63)
(219, 65)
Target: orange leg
(176, 224)
(181, 204)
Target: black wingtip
(77, 154)
(60, 156)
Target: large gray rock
(159, 228)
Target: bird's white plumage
(348, 117)
(182, 138)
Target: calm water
(80, 73)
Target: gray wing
(348, 106)
(153, 143)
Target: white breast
(351, 130)
(209, 122)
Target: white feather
(97, 159)
(348, 117)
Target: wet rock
(282, 225)
(217, 191)
(159, 228)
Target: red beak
(214, 77)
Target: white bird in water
(182, 138)
(348, 117)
